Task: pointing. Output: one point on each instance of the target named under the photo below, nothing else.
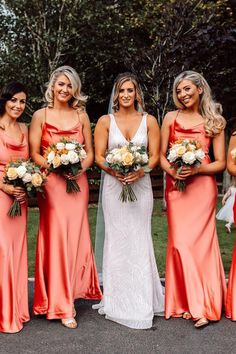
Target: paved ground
(95, 335)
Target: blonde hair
(78, 100)
(119, 81)
(209, 109)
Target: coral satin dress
(65, 266)
(13, 247)
(195, 280)
(231, 293)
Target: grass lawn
(159, 232)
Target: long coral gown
(230, 311)
(65, 266)
(13, 247)
(195, 280)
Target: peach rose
(56, 161)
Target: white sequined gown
(132, 289)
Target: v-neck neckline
(128, 141)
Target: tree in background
(154, 38)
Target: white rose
(21, 170)
(83, 154)
(27, 178)
(134, 148)
(51, 156)
(73, 157)
(60, 146)
(70, 146)
(109, 158)
(189, 158)
(172, 156)
(200, 154)
(117, 158)
(138, 157)
(144, 158)
(64, 159)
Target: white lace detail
(132, 289)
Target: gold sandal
(69, 323)
(201, 322)
(187, 315)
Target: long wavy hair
(119, 81)
(8, 91)
(210, 110)
(78, 100)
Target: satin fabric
(65, 266)
(195, 280)
(230, 311)
(13, 248)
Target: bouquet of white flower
(65, 157)
(184, 152)
(25, 174)
(126, 159)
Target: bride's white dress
(133, 293)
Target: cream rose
(12, 173)
(37, 180)
(83, 154)
(127, 159)
(181, 150)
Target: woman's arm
(35, 135)
(153, 133)
(88, 144)
(101, 135)
(231, 163)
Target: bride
(132, 289)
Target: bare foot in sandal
(201, 322)
(187, 315)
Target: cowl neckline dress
(195, 280)
(65, 266)
(13, 247)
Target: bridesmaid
(13, 242)
(231, 293)
(65, 268)
(195, 282)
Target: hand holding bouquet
(126, 159)
(65, 158)
(184, 152)
(27, 175)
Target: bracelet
(146, 169)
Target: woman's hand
(184, 172)
(134, 176)
(17, 192)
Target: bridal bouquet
(125, 159)
(25, 174)
(65, 157)
(184, 152)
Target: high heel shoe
(69, 323)
(202, 322)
